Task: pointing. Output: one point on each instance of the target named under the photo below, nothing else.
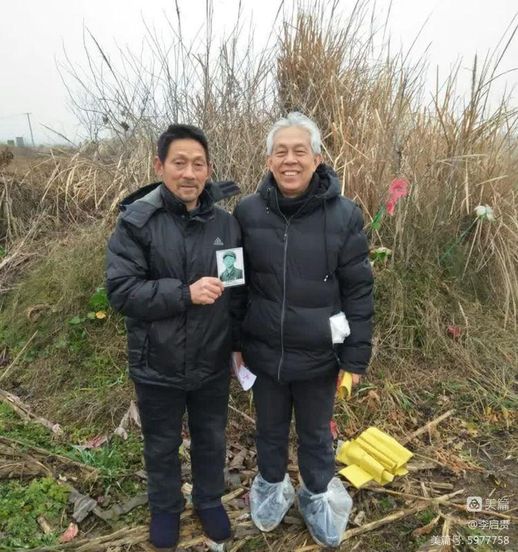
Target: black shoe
(164, 529)
(215, 523)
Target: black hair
(180, 132)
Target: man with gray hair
(309, 316)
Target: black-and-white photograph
(231, 269)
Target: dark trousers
(161, 412)
(313, 402)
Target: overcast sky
(33, 34)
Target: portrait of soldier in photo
(228, 267)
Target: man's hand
(356, 379)
(206, 290)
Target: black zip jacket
(157, 250)
(305, 261)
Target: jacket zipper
(183, 224)
(283, 308)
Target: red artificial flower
(454, 331)
(398, 189)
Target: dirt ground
(451, 462)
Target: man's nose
(290, 157)
(188, 171)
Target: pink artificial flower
(454, 331)
(69, 534)
(398, 189)
(95, 442)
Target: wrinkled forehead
(186, 148)
(292, 137)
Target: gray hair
(296, 119)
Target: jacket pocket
(165, 346)
(308, 329)
(138, 339)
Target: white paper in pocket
(339, 327)
(243, 374)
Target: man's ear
(318, 159)
(158, 166)
(209, 171)
(269, 162)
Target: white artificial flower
(380, 254)
(382, 251)
(484, 212)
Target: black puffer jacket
(157, 250)
(302, 269)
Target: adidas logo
(218, 241)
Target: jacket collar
(139, 206)
(202, 213)
(328, 188)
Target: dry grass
(454, 156)
(446, 268)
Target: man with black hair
(182, 326)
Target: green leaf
(76, 320)
(99, 300)
(376, 221)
